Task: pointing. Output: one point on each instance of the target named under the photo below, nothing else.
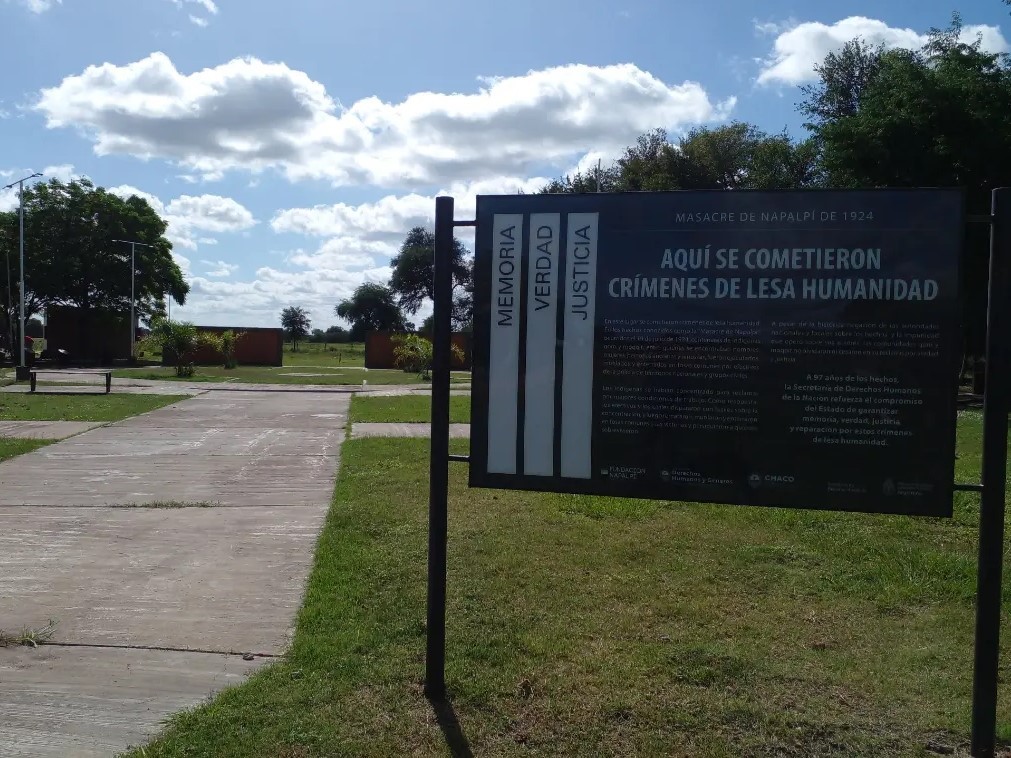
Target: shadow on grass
(452, 731)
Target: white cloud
(37, 6)
(344, 253)
(220, 268)
(211, 213)
(771, 27)
(8, 199)
(357, 244)
(125, 190)
(259, 302)
(799, 48)
(207, 5)
(318, 281)
(361, 239)
(63, 172)
(252, 115)
(388, 220)
(188, 215)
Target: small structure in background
(259, 346)
(380, 350)
(90, 336)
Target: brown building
(88, 336)
(259, 346)
(379, 349)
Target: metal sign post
(438, 476)
(991, 512)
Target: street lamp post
(133, 296)
(21, 226)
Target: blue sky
(291, 145)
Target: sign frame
(996, 408)
(519, 210)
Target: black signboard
(796, 348)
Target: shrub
(179, 339)
(229, 341)
(414, 354)
(224, 344)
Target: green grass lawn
(10, 446)
(601, 626)
(325, 375)
(16, 406)
(315, 354)
(337, 364)
(406, 409)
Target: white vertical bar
(542, 326)
(504, 349)
(577, 350)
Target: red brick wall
(379, 350)
(259, 346)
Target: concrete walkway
(61, 388)
(155, 603)
(182, 387)
(369, 429)
(45, 430)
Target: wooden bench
(107, 374)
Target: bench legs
(33, 380)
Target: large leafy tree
(372, 307)
(413, 277)
(733, 156)
(935, 117)
(296, 324)
(71, 257)
(842, 79)
(939, 116)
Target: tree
(71, 257)
(842, 79)
(331, 334)
(939, 116)
(413, 277)
(729, 157)
(372, 307)
(296, 324)
(337, 334)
